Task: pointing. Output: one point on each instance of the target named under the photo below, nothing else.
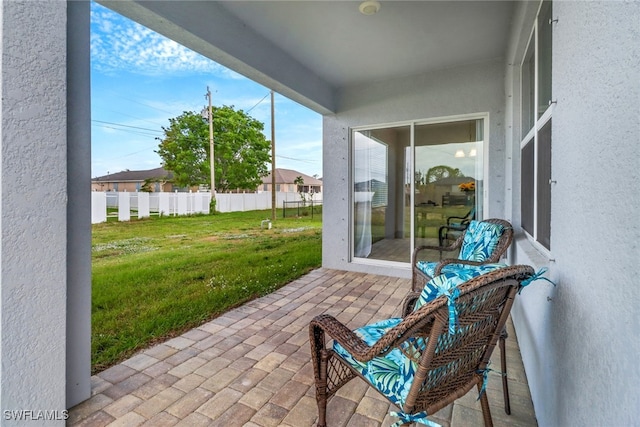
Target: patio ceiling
(311, 50)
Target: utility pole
(211, 158)
(273, 161)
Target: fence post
(98, 207)
(124, 206)
(164, 207)
(143, 205)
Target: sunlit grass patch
(156, 278)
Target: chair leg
(503, 367)
(321, 389)
(484, 402)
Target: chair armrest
(445, 262)
(344, 336)
(456, 227)
(409, 303)
(464, 218)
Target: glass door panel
(380, 191)
(448, 181)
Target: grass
(156, 278)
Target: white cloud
(118, 43)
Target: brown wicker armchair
(433, 367)
(453, 229)
(420, 278)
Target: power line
(297, 160)
(258, 103)
(130, 154)
(134, 132)
(146, 105)
(127, 126)
(129, 115)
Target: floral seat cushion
(391, 374)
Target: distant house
(158, 180)
(285, 182)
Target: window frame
(532, 136)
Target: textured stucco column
(79, 196)
(33, 215)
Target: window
(535, 146)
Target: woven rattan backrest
(450, 361)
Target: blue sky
(140, 79)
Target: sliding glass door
(409, 181)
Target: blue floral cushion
(429, 268)
(456, 275)
(391, 374)
(480, 240)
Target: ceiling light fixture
(459, 153)
(369, 7)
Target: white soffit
(345, 47)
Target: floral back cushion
(480, 240)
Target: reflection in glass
(403, 190)
(448, 175)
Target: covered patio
(252, 367)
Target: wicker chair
(455, 228)
(420, 278)
(427, 360)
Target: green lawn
(156, 278)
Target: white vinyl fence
(124, 206)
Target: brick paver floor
(252, 367)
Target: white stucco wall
(475, 88)
(579, 341)
(33, 268)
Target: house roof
(135, 176)
(454, 180)
(288, 176)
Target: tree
(240, 149)
(437, 173)
(299, 182)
